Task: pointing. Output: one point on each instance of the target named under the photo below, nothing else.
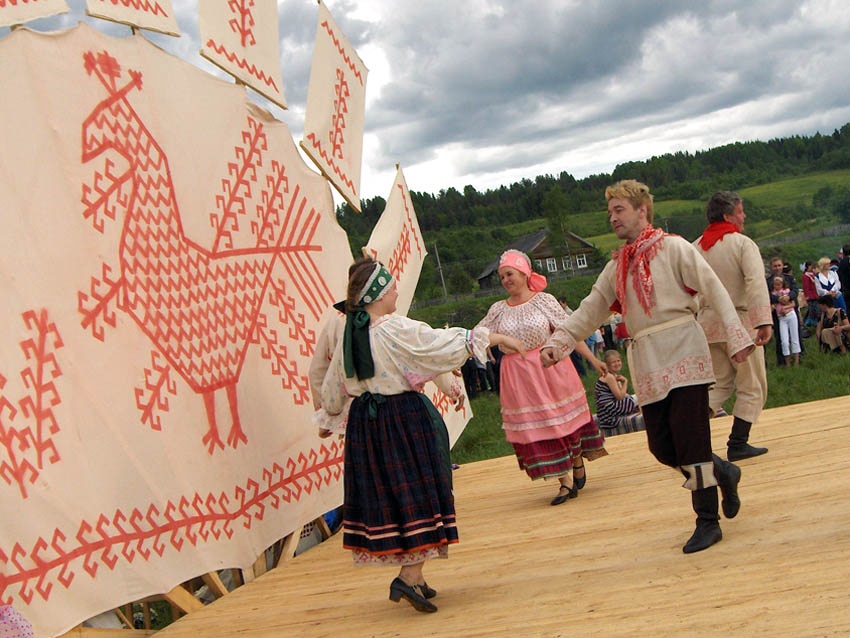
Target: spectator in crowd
(778, 267)
(844, 273)
(616, 410)
(833, 328)
(811, 295)
(827, 283)
(789, 334)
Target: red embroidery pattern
(404, 249)
(243, 22)
(317, 144)
(23, 452)
(200, 308)
(242, 63)
(195, 518)
(443, 403)
(337, 135)
(342, 52)
(151, 399)
(655, 384)
(139, 5)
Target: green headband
(357, 351)
(376, 286)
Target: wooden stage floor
(608, 563)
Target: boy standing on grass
(652, 281)
(736, 260)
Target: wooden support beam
(259, 567)
(322, 524)
(214, 583)
(183, 599)
(289, 545)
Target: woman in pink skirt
(544, 411)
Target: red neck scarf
(639, 253)
(715, 232)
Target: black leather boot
(728, 476)
(707, 532)
(737, 447)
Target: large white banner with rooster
(165, 262)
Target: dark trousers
(677, 427)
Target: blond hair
(824, 264)
(634, 191)
(610, 354)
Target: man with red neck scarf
(652, 281)
(737, 261)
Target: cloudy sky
(487, 92)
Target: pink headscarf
(521, 262)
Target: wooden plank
(322, 524)
(290, 544)
(214, 583)
(608, 563)
(185, 601)
(259, 566)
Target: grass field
(819, 376)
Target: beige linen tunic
(736, 260)
(669, 348)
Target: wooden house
(536, 245)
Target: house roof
(527, 244)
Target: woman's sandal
(414, 594)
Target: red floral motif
(24, 452)
(131, 535)
(199, 307)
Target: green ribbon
(357, 352)
(373, 402)
(442, 434)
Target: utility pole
(440, 269)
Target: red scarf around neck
(639, 252)
(715, 232)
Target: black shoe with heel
(414, 594)
(564, 493)
(580, 482)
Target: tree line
(469, 223)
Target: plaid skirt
(551, 458)
(398, 496)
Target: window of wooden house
(567, 262)
(538, 264)
(551, 264)
(581, 260)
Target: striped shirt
(607, 406)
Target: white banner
(165, 262)
(21, 11)
(241, 37)
(397, 242)
(336, 103)
(154, 15)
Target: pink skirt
(540, 404)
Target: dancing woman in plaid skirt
(398, 507)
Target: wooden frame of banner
(182, 599)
